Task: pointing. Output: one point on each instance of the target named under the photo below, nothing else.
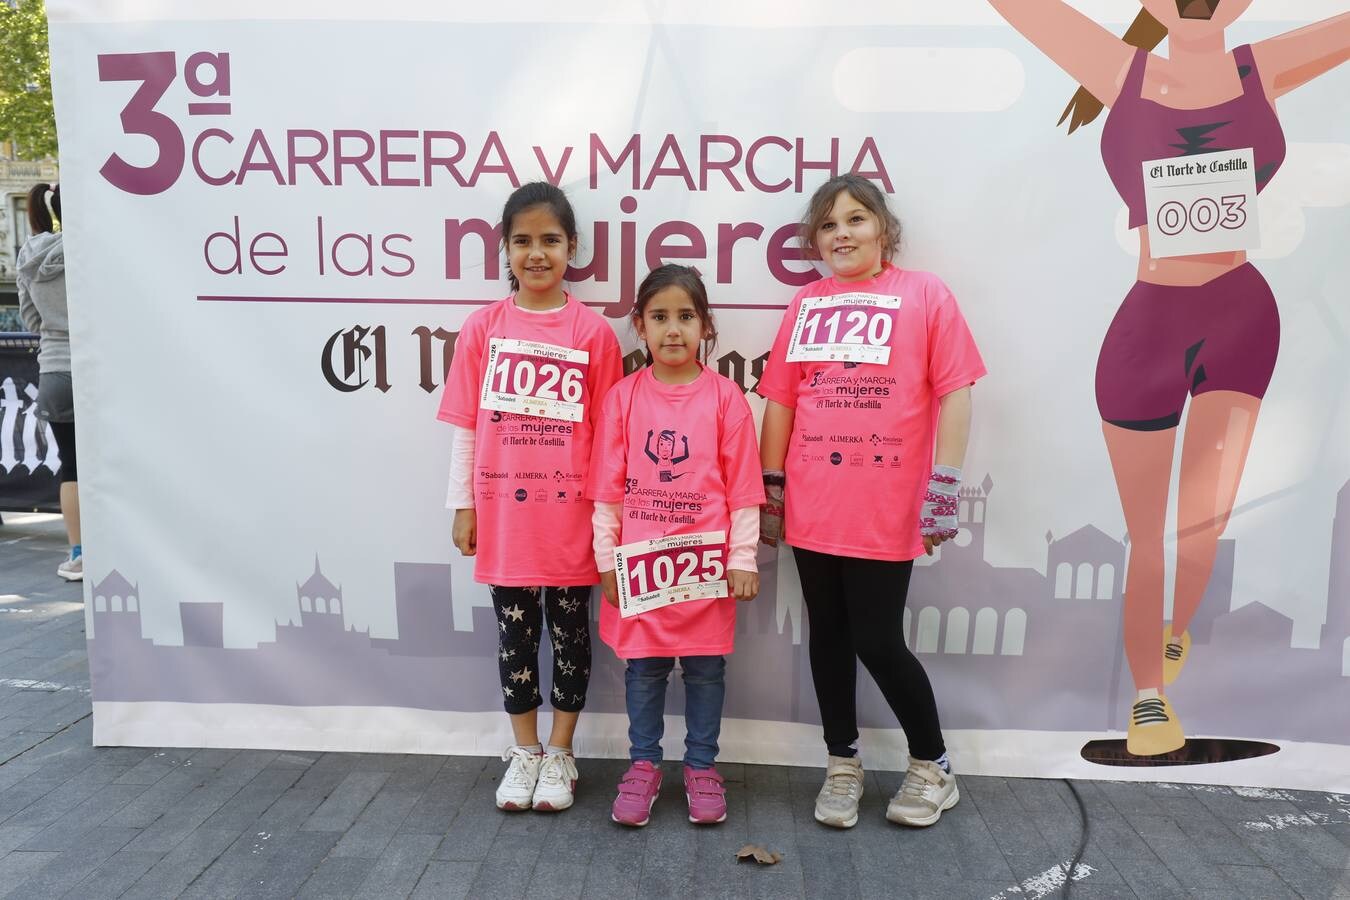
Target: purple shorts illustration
(1166, 342)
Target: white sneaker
(72, 569)
(557, 782)
(927, 791)
(516, 790)
(837, 802)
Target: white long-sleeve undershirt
(460, 493)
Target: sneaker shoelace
(553, 771)
(515, 772)
(1150, 712)
(919, 781)
(842, 784)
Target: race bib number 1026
(854, 327)
(665, 571)
(535, 379)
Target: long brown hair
(1145, 32)
(39, 214)
(866, 193)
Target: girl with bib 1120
(865, 431)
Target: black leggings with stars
(520, 622)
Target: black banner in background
(28, 458)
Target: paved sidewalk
(85, 822)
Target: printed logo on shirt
(852, 390)
(666, 457)
(522, 495)
(836, 458)
(527, 431)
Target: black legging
(64, 432)
(856, 610)
(520, 625)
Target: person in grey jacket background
(42, 306)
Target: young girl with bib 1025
(677, 489)
(870, 369)
(524, 394)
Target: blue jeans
(704, 688)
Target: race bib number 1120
(534, 379)
(854, 327)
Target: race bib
(853, 328)
(1201, 204)
(665, 571)
(534, 379)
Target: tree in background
(26, 116)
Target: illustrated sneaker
(637, 793)
(1154, 728)
(1175, 652)
(926, 792)
(557, 782)
(516, 790)
(72, 569)
(837, 802)
(706, 796)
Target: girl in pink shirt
(675, 537)
(524, 394)
(870, 368)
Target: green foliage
(26, 116)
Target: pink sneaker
(637, 792)
(707, 798)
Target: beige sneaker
(837, 802)
(925, 793)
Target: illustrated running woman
(1203, 324)
(664, 457)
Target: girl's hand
(609, 586)
(464, 532)
(743, 585)
(932, 540)
(772, 511)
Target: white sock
(553, 748)
(536, 749)
(944, 763)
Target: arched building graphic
(997, 642)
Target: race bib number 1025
(534, 379)
(854, 327)
(665, 571)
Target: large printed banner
(280, 214)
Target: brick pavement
(134, 822)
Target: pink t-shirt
(862, 440)
(534, 522)
(680, 458)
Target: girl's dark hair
(866, 193)
(39, 216)
(537, 193)
(687, 279)
(1145, 32)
